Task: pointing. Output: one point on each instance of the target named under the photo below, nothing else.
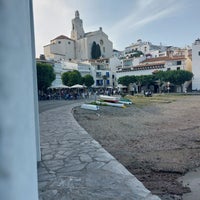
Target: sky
(170, 22)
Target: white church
(79, 46)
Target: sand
(157, 142)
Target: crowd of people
(73, 94)
(63, 94)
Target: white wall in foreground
(196, 65)
(18, 119)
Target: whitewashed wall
(18, 105)
(196, 65)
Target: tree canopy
(140, 80)
(126, 80)
(95, 51)
(45, 75)
(177, 77)
(88, 80)
(71, 78)
(145, 79)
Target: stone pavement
(76, 167)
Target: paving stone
(85, 158)
(75, 166)
(115, 166)
(59, 156)
(46, 177)
(105, 157)
(54, 164)
(47, 157)
(95, 165)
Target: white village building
(147, 48)
(175, 60)
(102, 71)
(75, 53)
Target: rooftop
(62, 37)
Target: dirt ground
(157, 142)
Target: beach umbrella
(78, 86)
(59, 87)
(121, 86)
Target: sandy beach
(158, 142)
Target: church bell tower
(77, 27)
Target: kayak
(121, 105)
(109, 98)
(125, 101)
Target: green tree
(71, 78)
(140, 80)
(88, 80)
(45, 76)
(126, 80)
(145, 80)
(98, 51)
(160, 78)
(95, 51)
(178, 77)
(65, 78)
(160, 75)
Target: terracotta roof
(154, 66)
(177, 58)
(151, 64)
(61, 37)
(164, 58)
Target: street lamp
(168, 88)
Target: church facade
(81, 46)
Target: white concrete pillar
(18, 119)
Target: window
(99, 82)
(178, 62)
(98, 74)
(178, 68)
(199, 53)
(69, 42)
(101, 42)
(168, 69)
(59, 42)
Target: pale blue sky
(170, 22)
